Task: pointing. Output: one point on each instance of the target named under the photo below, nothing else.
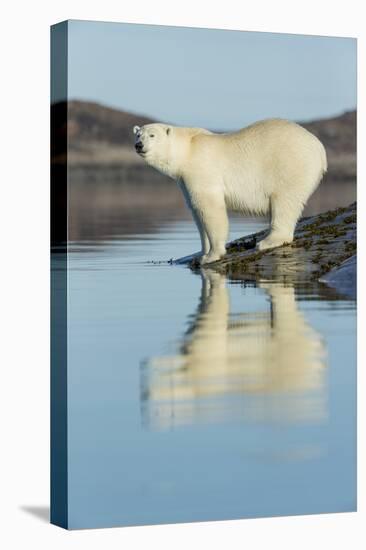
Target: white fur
(271, 166)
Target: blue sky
(210, 78)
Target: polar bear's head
(154, 143)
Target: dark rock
(322, 243)
(343, 278)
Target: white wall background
(24, 401)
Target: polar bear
(271, 166)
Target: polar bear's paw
(273, 242)
(210, 257)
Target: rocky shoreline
(324, 250)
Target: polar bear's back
(268, 139)
(283, 148)
(262, 159)
(277, 135)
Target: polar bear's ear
(167, 131)
(136, 129)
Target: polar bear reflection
(249, 366)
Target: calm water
(192, 397)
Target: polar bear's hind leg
(285, 211)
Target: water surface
(192, 397)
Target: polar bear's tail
(324, 162)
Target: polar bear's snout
(139, 142)
(139, 146)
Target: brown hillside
(94, 122)
(100, 140)
(338, 134)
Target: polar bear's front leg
(205, 243)
(212, 215)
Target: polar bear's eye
(152, 135)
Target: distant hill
(94, 122)
(338, 133)
(91, 129)
(102, 135)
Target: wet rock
(343, 278)
(322, 243)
